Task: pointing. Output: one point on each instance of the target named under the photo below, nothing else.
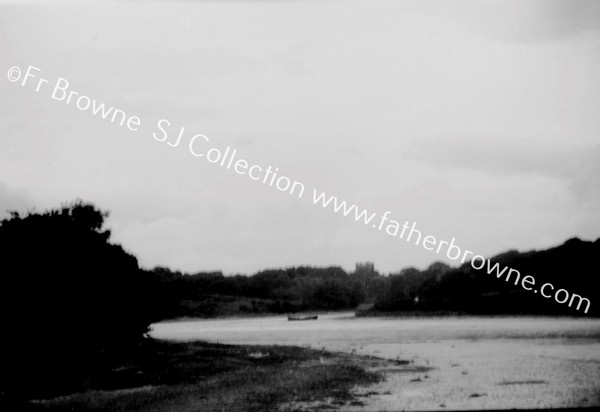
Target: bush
(73, 303)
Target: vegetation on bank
(73, 303)
(210, 294)
(438, 289)
(465, 290)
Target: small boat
(303, 317)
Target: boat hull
(303, 317)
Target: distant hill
(572, 266)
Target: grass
(177, 377)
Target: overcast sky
(476, 120)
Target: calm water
(476, 362)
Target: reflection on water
(479, 362)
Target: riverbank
(205, 376)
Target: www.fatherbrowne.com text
(198, 145)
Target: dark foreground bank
(210, 377)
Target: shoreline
(208, 376)
(380, 315)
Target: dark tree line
(440, 288)
(268, 291)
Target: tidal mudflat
(458, 362)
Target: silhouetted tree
(72, 302)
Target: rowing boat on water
(302, 317)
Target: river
(473, 362)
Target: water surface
(477, 362)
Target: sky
(478, 120)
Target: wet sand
(453, 363)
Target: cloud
(535, 21)
(576, 165)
